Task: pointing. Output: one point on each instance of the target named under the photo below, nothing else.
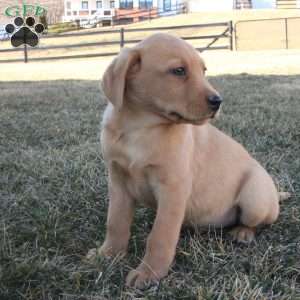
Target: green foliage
(62, 27)
(43, 20)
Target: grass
(62, 27)
(53, 198)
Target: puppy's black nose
(214, 102)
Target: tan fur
(185, 168)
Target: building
(78, 9)
(135, 10)
(126, 10)
(215, 5)
(210, 5)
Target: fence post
(122, 41)
(25, 53)
(231, 35)
(286, 34)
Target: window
(85, 5)
(112, 4)
(98, 4)
(167, 5)
(145, 4)
(126, 4)
(68, 5)
(74, 13)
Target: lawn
(53, 198)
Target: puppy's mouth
(179, 118)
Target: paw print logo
(24, 32)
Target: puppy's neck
(132, 117)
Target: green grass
(62, 27)
(53, 198)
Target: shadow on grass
(53, 198)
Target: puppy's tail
(284, 196)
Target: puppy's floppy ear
(114, 78)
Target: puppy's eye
(179, 71)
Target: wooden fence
(225, 34)
(287, 4)
(279, 33)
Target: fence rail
(122, 41)
(287, 4)
(277, 33)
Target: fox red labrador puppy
(161, 151)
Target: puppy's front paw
(141, 278)
(106, 251)
(243, 234)
(91, 255)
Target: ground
(284, 62)
(54, 198)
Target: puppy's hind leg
(258, 202)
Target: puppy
(161, 151)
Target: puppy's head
(165, 75)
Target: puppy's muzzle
(214, 102)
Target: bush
(62, 27)
(43, 20)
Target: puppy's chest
(131, 155)
(128, 150)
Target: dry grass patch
(53, 199)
